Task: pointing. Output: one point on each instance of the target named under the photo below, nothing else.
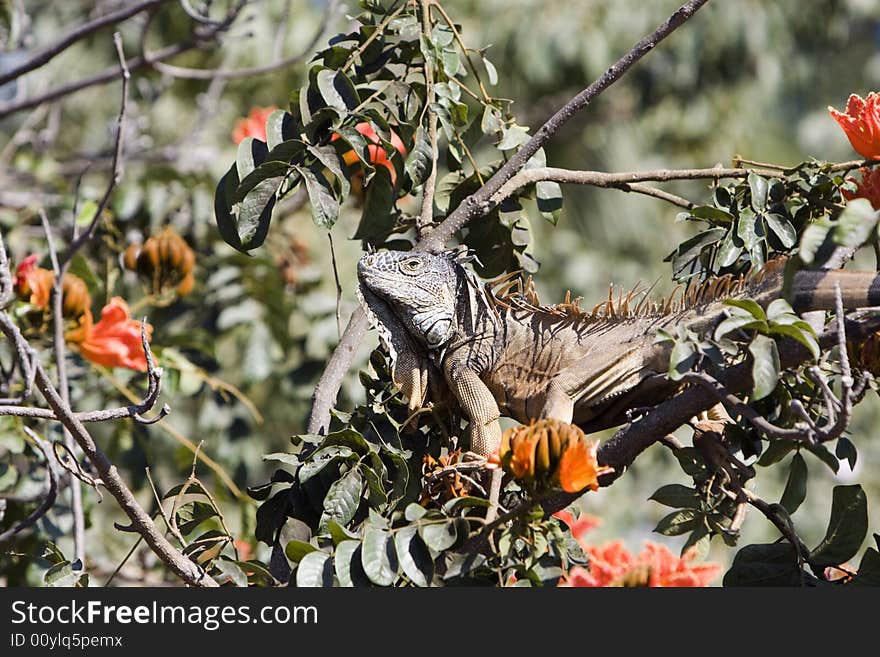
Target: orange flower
(34, 283)
(253, 125)
(115, 341)
(861, 123)
(868, 187)
(376, 154)
(522, 463)
(612, 565)
(669, 570)
(578, 467)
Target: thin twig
(338, 286)
(116, 175)
(59, 349)
(426, 216)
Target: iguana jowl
(504, 354)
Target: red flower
(375, 152)
(868, 187)
(115, 341)
(254, 125)
(861, 123)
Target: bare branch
(233, 73)
(50, 494)
(141, 522)
(113, 72)
(80, 240)
(478, 204)
(49, 52)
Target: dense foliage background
(242, 351)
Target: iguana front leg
(480, 407)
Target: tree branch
(48, 53)
(630, 441)
(478, 204)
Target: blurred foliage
(243, 349)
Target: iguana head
(419, 289)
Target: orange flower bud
(165, 261)
(551, 452)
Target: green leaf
(327, 156)
(415, 558)
(758, 187)
(86, 214)
(347, 561)
(782, 228)
(379, 557)
(765, 366)
(337, 90)
(682, 360)
(439, 536)
(419, 161)
(350, 438)
(749, 306)
(549, 197)
(845, 450)
(856, 224)
(190, 516)
(230, 570)
(315, 569)
(513, 137)
(66, 574)
(377, 219)
(226, 221)
(491, 121)
(490, 71)
(414, 511)
(776, 451)
(803, 334)
(321, 458)
(824, 454)
(847, 527)
(678, 522)
(677, 496)
(728, 251)
(744, 322)
(343, 499)
(325, 206)
(869, 569)
(711, 214)
(812, 239)
(774, 564)
(796, 487)
(279, 128)
(339, 533)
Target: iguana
(502, 353)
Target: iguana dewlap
(508, 355)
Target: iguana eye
(412, 265)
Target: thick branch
(479, 203)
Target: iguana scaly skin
(502, 353)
